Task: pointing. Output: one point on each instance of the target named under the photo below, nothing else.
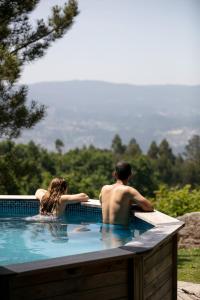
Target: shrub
(177, 201)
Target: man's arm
(140, 200)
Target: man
(116, 199)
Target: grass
(189, 265)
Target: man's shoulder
(106, 186)
(130, 189)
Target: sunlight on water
(34, 238)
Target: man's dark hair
(123, 170)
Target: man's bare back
(116, 201)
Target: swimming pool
(25, 237)
(143, 268)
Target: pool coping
(164, 227)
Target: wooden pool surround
(145, 268)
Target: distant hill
(92, 112)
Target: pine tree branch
(31, 42)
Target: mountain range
(92, 112)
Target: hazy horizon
(110, 82)
(92, 112)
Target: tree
(165, 162)
(193, 149)
(153, 151)
(20, 43)
(117, 146)
(59, 145)
(165, 151)
(133, 148)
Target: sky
(124, 41)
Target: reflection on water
(40, 237)
(43, 229)
(115, 235)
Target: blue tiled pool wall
(31, 207)
(74, 212)
(77, 208)
(18, 207)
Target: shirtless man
(116, 199)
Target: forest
(171, 181)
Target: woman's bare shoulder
(40, 193)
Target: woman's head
(58, 185)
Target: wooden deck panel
(157, 283)
(163, 291)
(153, 273)
(91, 281)
(59, 275)
(155, 257)
(105, 293)
(70, 285)
(157, 270)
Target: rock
(188, 291)
(189, 236)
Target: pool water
(26, 239)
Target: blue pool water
(29, 238)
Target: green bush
(177, 201)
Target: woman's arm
(82, 197)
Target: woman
(54, 200)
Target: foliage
(176, 201)
(88, 169)
(174, 188)
(20, 43)
(189, 265)
(144, 178)
(20, 167)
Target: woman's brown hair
(51, 199)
